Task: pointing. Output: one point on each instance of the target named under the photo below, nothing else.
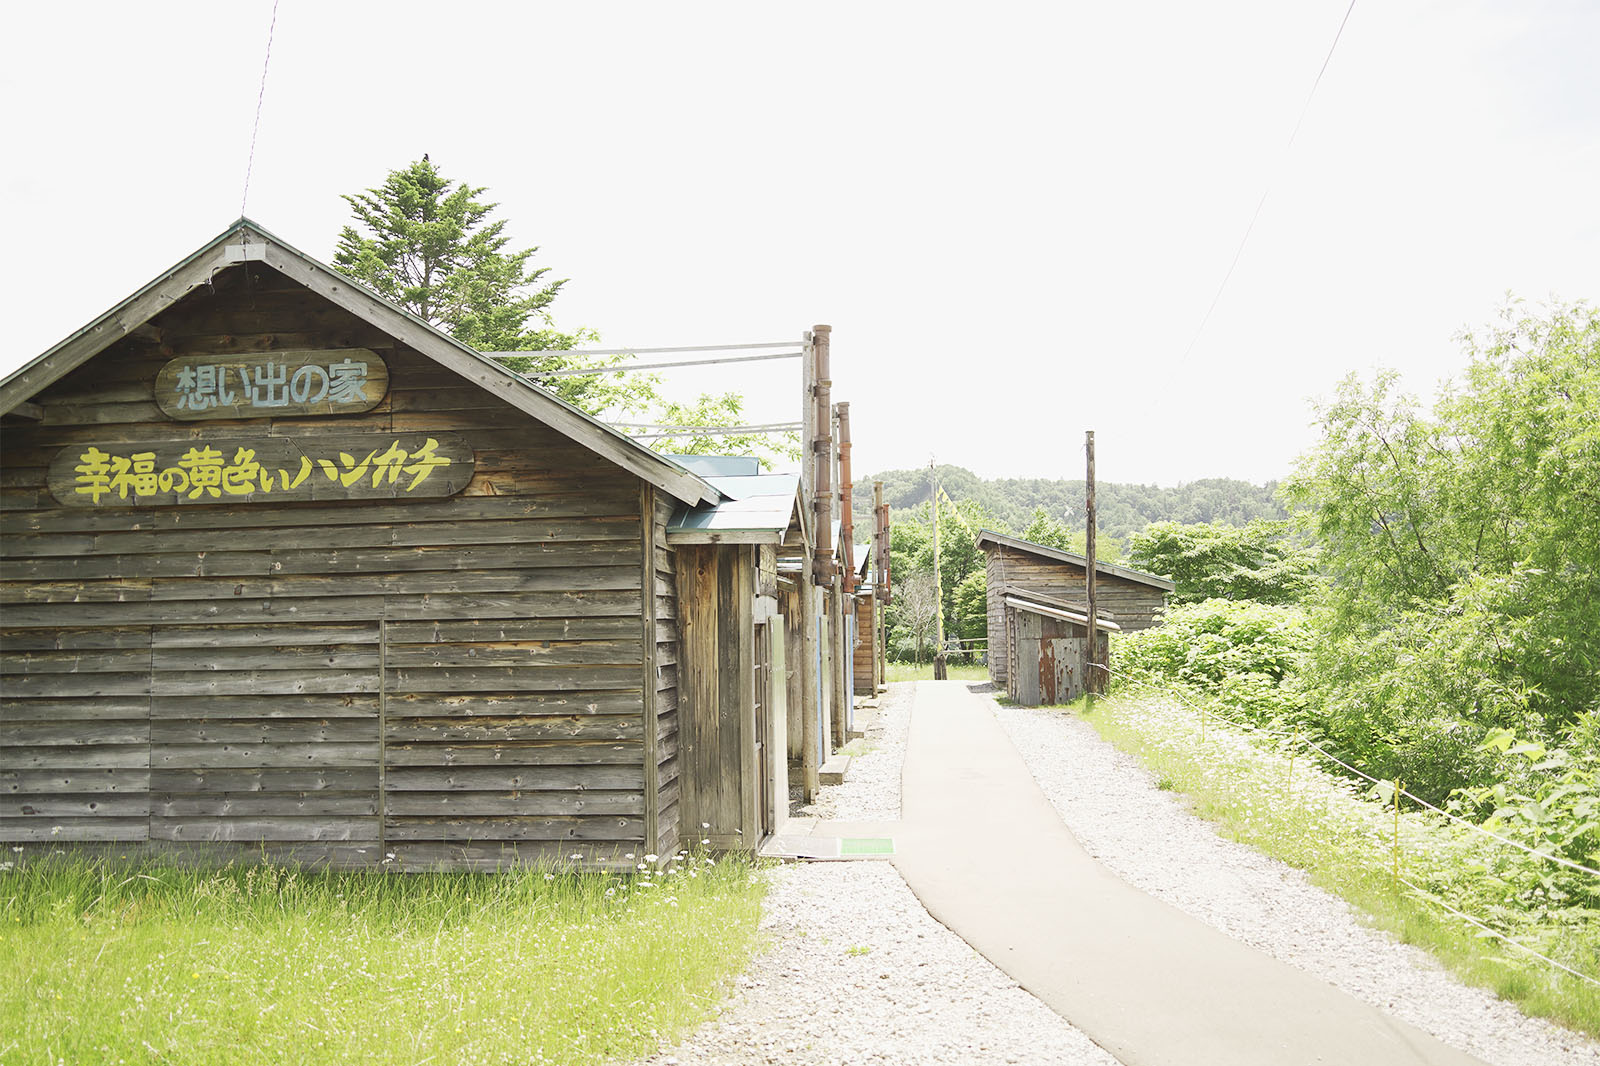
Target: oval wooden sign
(369, 466)
(272, 384)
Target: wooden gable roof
(989, 540)
(245, 241)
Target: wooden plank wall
(671, 833)
(866, 651)
(716, 593)
(448, 681)
(1132, 605)
(794, 662)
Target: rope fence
(1297, 741)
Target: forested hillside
(1124, 509)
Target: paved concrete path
(988, 856)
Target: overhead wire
(261, 95)
(1265, 192)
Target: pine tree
(427, 242)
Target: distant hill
(1124, 509)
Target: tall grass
(1344, 838)
(111, 963)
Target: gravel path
(857, 971)
(1149, 838)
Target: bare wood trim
(810, 693)
(732, 536)
(26, 409)
(749, 791)
(652, 799)
(383, 728)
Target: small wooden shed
(1134, 600)
(867, 665)
(735, 672)
(1045, 648)
(287, 571)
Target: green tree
(725, 409)
(972, 608)
(1463, 555)
(1054, 533)
(429, 244)
(1259, 561)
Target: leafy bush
(1549, 800)
(1247, 653)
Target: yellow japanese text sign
(202, 470)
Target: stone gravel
(1149, 838)
(855, 970)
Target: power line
(1256, 214)
(624, 368)
(261, 95)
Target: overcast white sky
(1013, 215)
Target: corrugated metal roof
(718, 465)
(1079, 617)
(758, 507)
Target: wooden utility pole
(847, 517)
(939, 672)
(810, 709)
(880, 584)
(1091, 656)
(844, 583)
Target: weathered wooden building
(1132, 599)
(286, 568)
(1045, 643)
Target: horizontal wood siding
(866, 653)
(671, 833)
(453, 680)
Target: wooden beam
(26, 409)
(810, 693)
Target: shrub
(1247, 653)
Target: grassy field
(258, 964)
(924, 672)
(1345, 839)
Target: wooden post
(822, 456)
(938, 600)
(1091, 657)
(843, 582)
(842, 696)
(810, 709)
(880, 583)
(847, 521)
(810, 696)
